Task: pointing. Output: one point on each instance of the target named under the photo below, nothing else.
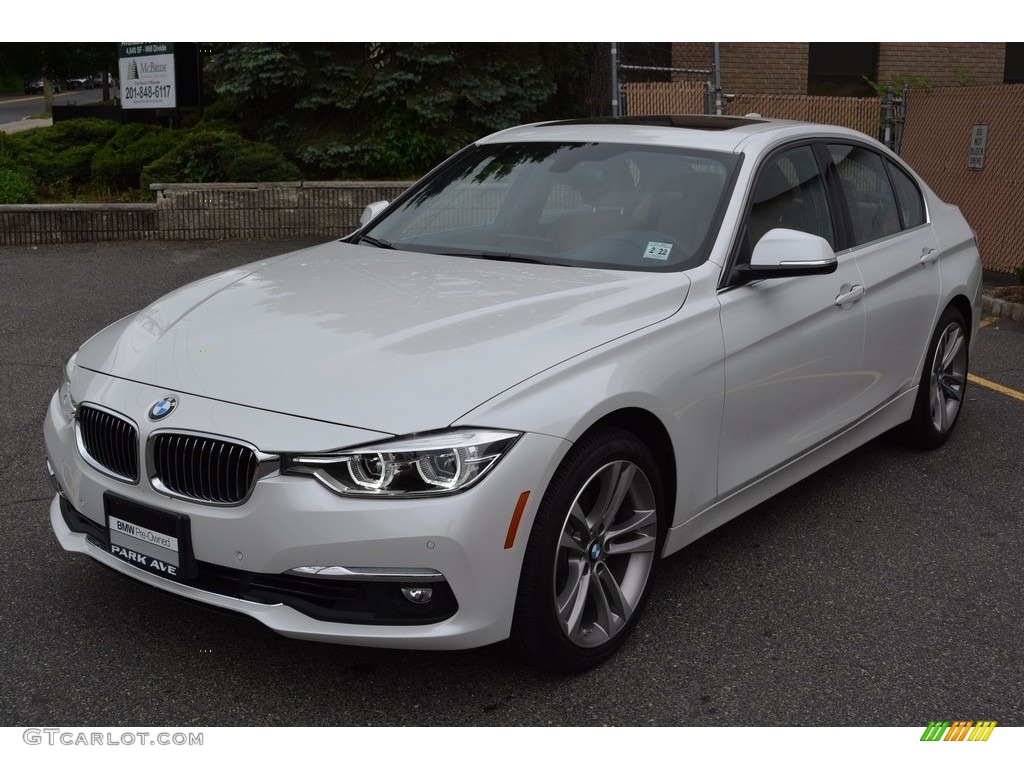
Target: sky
(520, 20)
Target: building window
(841, 69)
(652, 62)
(1013, 66)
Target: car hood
(386, 340)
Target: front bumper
(456, 545)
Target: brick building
(806, 81)
(844, 69)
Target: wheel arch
(650, 430)
(942, 381)
(962, 304)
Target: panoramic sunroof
(699, 122)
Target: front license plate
(152, 539)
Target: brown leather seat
(683, 212)
(608, 191)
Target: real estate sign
(147, 75)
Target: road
(15, 106)
(885, 590)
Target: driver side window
(789, 194)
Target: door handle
(929, 256)
(848, 294)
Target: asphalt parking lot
(885, 590)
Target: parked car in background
(569, 351)
(36, 85)
(82, 82)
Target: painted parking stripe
(985, 322)
(995, 387)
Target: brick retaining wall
(203, 212)
(48, 224)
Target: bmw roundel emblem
(162, 408)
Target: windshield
(619, 206)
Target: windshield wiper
(492, 256)
(375, 242)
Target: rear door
(897, 252)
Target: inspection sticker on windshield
(659, 251)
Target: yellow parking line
(21, 99)
(985, 322)
(996, 387)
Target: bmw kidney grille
(195, 467)
(203, 468)
(110, 442)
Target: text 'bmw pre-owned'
(567, 352)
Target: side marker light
(517, 515)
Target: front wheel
(591, 555)
(940, 397)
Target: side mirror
(788, 253)
(372, 211)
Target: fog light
(418, 595)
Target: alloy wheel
(948, 377)
(605, 553)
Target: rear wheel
(940, 396)
(591, 555)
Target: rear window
(869, 195)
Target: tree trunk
(47, 95)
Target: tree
(389, 110)
(56, 61)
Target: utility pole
(717, 66)
(616, 110)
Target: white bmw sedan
(569, 351)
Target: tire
(940, 396)
(592, 554)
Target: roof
(712, 132)
(696, 122)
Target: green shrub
(217, 156)
(17, 187)
(119, 163)
(1020, 274)
(7, 150)
(17, 181)
(222, 111)
(91, 156)
(254, 161)
(64, 151)
(81, 131)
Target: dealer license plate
(152, 539)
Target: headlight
(446, 462)
(68, 406)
